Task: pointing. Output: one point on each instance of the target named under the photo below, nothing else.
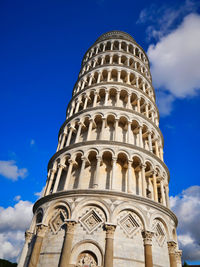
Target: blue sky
(41, 48)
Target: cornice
(102, 194)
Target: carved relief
(86, 259)
(58, 220)
(130, 223)
(91, 221)
(159, 232)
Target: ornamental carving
(86, 259)
(159, 232)
(130, 224)
(91, 221)
(147, 236)
(171, 247)
(58, 220)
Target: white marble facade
(106, 199)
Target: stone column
(150, 141)
(80, 124)
(155, 190)
(118, 76)
(172, 253)
(83, 85)
(77, 106)
(71, 129)
(162, 192)
(119, 60)
(89, 129)
(137, 82)
(147, 110)
(129, 132)
(110, 230)
(167, 195)
(156, 147)
(102, 128)
(106, 98)
(109, 75)
(129, 176)
(95, 99)
(117, 98)
(147, 237)
(143, 166)
(28, 238)
(120, 45)
(90, 80)
(63, 140)
(128, 78)
(81, 171)
(60, 168)
(140, 137)
(53, 171)
(71, 111)
(67, 244)
(41, 229)
(99, 77)
(67, 180)
(138, 105)
(116, 128)
(86, 101)
(178, 258)
(129, 101)
(96, 177)
(114, 160)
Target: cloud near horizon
(13, 223)
(187, 208)
(10, 170)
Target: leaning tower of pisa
(106, 199)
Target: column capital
(110, 229)
(41, 229)
(70, 225)
(99, 158)
(53, 170)
(143, 166)
(28, 236)
(147, 237)
(114, 158)
(61, 165)
(171, 246)
(71, 161)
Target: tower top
(115, 34)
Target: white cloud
(13, 223)
(10, 170)
(187, 208)
(175, 63)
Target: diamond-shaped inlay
(57, 221)
(159, 231)
(129, 224)
(91, 221)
